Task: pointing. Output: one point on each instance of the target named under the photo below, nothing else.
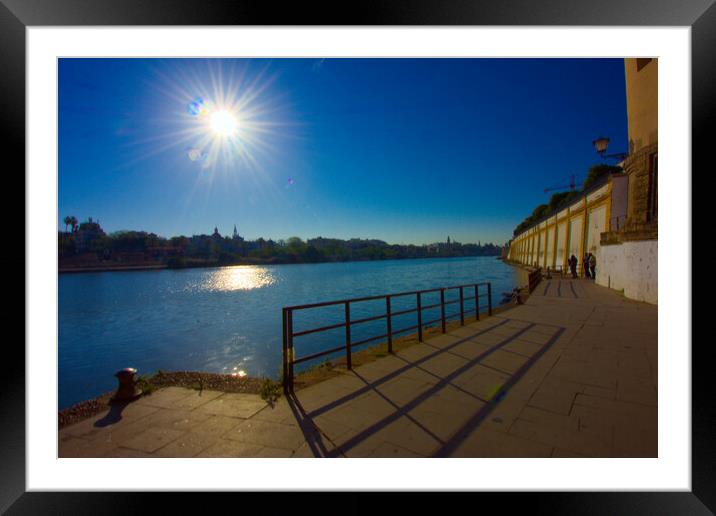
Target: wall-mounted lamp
(601, 144)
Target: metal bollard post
(127, 390)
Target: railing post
(442, 308)
(477, 304)
(349, 364)
(462, 309)
(489, 299)
(390, 324)
(284, 345)
(420, 319)
(289, 324)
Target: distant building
(236, 237)
(86, 234)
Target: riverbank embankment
(209, 264)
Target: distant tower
(448, 242)
(235, 232)
(216, 231)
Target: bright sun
(223, 123)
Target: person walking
(585, 264)
(593, 265)
(573, 265)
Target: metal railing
(533, 279)
(556, 270)
(290, 360)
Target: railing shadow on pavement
(315, 437)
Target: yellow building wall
(642, 103)
(550, 247)
(573, 231)
(596, 224)
(575, 237)
(561, 242)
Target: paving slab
(443, 364)
(78, 447)
(164, 398)
(216, 426)
(268, 434)
(482, 382)
(152, 439)
(195, 399)
(402, 390)
(225, 448)
(410, 435)
(187, 445)
(234, 405)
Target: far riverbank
(205, 264)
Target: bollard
(127, 390)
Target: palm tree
(68, 221)
(74, 223)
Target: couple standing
(590, 265)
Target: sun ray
(225, 117)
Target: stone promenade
(571, 373)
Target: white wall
(632, 266)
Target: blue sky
(404, 150)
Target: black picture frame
(17, 15)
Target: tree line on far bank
(87, 245)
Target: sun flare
(223, 123)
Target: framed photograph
(255, 239)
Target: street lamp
(601, 144)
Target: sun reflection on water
(241, 277)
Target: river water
(228, 319)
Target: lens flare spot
(198, 107)
(197, 155)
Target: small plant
(270, 391)
(144, 383)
